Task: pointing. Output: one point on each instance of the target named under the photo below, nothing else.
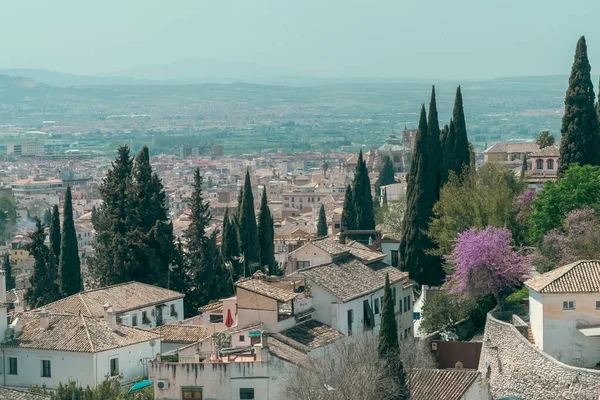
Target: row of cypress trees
(437, 153)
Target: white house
(426, 293)
(135, 304)
(564, 312)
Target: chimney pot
(44, 319)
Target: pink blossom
(485, 262)
(525, 199)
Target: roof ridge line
(87, 332)
(84, 303)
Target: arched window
(550, 164)
(539, 164)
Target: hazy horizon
(464, 39)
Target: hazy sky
(377, 38)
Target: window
(416, 316)
(376, 306)
(12, 366)
(539, 164)
(242, 338)
(114, 366)
(303, 264)
(350, 321)
(246, 393)
(407, 303)
(569, 305)
(405, 333)
(396, 159)
(134, 320)
(173, 312)
(191, 393)
(46, 369)
(145, 319)
(550, 164)
(394, 258)
(597, 305)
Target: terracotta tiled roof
(122, 298)
(331, 246)
(550, 151)
(440, 384)
(578, 277)
(216, 307)
(364, 253)
(264, 289)
(350, 278)
(504, 147)
(9, 394)
(77, 333)
(313, 334)
(175, 333)
(286, 352)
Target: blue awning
(139, 385)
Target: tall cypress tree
(69, 266)
(10, 279)
(44, 288)
(434, 151)
(54, 230)
(322, 224)
(363, 197)
(200, 218)
(47, 217)
(249, 243)
(348, 214)
(421, 195)
(386, 175)
(211, 280)
(580, 143)
(389, 347)
(455, 146)
(266, 237)
(230, 246)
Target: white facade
(153, 315)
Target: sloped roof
(176, 333)
(216, 307)
(286, 352)
(9, 394)
(549, 151)
(578, 277)
(350, 278)
(312, 334)
(440, 384)
(77, 333)
(504, 147)
(264, 289)
(331, 246)
(123, 297)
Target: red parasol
(229, 319)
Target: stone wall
(512, 366)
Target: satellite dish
(152, 343)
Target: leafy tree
(55, 238)
(69, 266)
(389, 347)
(386, 175)
(578, 188)
(443, 310)
(44, 288)
(455, 152)
(392, 216)
(248, 231)
(348, 214)
(544, 139)
(479, 198)
(485, 263)
(580, 143)
(8, 215)
(10, 279)
(363, 198)
(47, 217)
(266, 237)
(322, 230)
(422, 193)
(109, 389)
(230, 246)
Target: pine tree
(421, 195)
(47, 217)
(266, 237)
(580, 143)
(69, 266)
(249, 243)
(54, 230)
(348, 214)
(230, 246)
(44, 288)
(363, 198)
(389, 347)
(322, 230)
(10, 279)
(455, 143)
(114, 257)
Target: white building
(31, 186)
(85, 234)
(25, 149)
(564, 312)
(135, 304)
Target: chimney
(44, 319)
(3, 286)
(110, 316)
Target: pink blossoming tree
(485, 262)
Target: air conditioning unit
(162, 384)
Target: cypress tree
(348, 214)
(363, 198)
(455, 144)
(389, 347)
(55, 238)
(230, 246)
(200, 218)
(433, 145)
(212, 279)
(524, 166)
(322, 224)
(249, 243)
(10, 279)
(421, 195)
(94, 218)
(47, 217)
(69, 266)
(386, 175)
(44, 288)
(580, 143)
(266, 237)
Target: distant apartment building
(302, 201)
(25, 149)
(33, 186)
